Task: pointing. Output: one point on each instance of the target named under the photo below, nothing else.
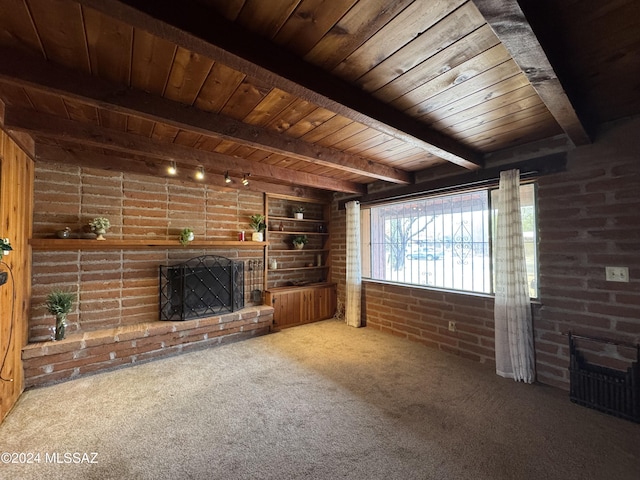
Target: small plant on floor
(186, 236)
(60, 303)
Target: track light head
(172, 169)
(200, 173)
(245, 179)
(227, 178)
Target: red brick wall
(92, 351)
(423, 316)
(589, 217)
(339, 252)
(120, 287)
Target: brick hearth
(84, 353)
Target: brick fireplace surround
(83, 353)
(115, 320)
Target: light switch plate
(617, 274)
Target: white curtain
(512, 314)
(354, 275)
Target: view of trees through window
(442, 241)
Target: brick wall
(92, 351)
(589, 217)
(339, 252)
(423, 316)
(120, 287)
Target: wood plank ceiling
(303, 95)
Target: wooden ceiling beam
(31, 72)
(89, 159)
(531, 168)
(199, 29)
(86, 134)
(511, 27)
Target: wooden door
(16, 218)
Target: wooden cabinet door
(297, 306)
(323, 303)
(287, 307)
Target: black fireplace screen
(201, 287)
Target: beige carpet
(322, 401)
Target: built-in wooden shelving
(274, 218)
(293, 250)
(315, 267)
(287, 232)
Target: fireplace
(201, 287)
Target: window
(442, 241)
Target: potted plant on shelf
(99, 226)
(258, 224)
(299, 241)
(5, 245)
(298, 213)
(60, 303)
(186, 236)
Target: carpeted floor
(321, 401)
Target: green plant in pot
(258, 224)
(99, 226)
(60, 303)
(298, 212)
(5, 246)
(299, 241)
(186, 236)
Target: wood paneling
(299, 305)
(412, 22)
(310, 22)
(16, 210)
(359, 77)
(104, 35)
(62, 32)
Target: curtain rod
(529, 169)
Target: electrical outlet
(617, 274)
(452, 326)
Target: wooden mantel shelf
(57, 244)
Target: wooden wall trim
(16, 211)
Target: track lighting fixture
(200, 173)
(172, 169)
(227, 178)
(245, 179)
